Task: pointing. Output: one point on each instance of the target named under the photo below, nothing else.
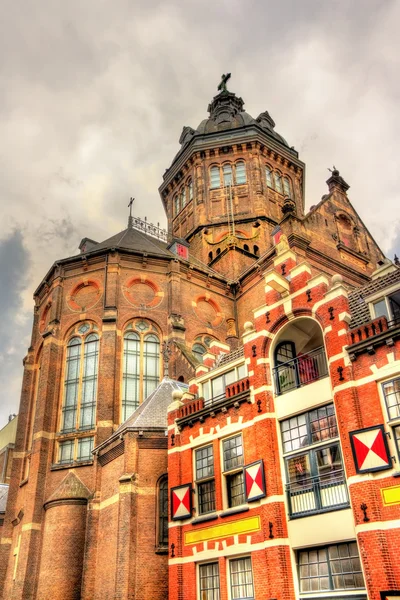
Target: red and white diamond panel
(181, 502)
(255, 481)
(370, 449)
(392, 595)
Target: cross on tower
(224, 79)
(130, 219)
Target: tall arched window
(227, 172)
(268, 175)
(162, 525)
(176, 204)
(80, 384)
(278, 182)
(190, 189)
(183, 197)
(141, 365)
(215, 181)
(240, 172)
(78, 411)
(286, 187)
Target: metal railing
(317, 494)
(301, 370)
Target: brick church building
(214, 413)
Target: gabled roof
(358, 307)
(3, 497)
(152, 413)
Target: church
(212, 412)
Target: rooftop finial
(224, 79)
(130, 219)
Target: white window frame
(202, 480)
(225, 474)
(229, 577)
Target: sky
(94, 96)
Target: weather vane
(224, 79)
(332, 170)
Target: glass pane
(85, 447)
(66, 451)
(233, 452)
(209, 581)
(214, 176)
(131, 375)
(204, 462)
(278, 183)
(151, 357)
(227, 172)
(286, 186)
(235, 488)
(268, 175)
(240, 173)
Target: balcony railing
(317, 494)
(301, 370)
(231, 390)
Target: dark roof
(152, 413)
(3, 497)
(358, 307)
(133, 239)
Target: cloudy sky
(94, 95)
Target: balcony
(314, 495)
(300, 371)
(367, 337)
(197, 410)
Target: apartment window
(334, 567)
(241, 579)
(215, 178)
(75, 450)
(205, 482)
(233, 461)
(141, 365)
(388, 307)
(163, 512)
(315, 476)
(214, 390)
(391, 390)
(286, 186)
(240, 173)
(209, 581)
(80, 384)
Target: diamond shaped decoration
(255, 481)
(370, 449)
(181, 502)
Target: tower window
(190, 189)
(286, 187)
(163, 512)
(183, 197)
(215, 178)
(278, 182)
(240, 173)
(141, 368)
(268, 175)
(176, 204)
(227, 171)
(245, 247)
(256, 250)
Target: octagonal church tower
(87, 506)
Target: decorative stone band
(53, 503)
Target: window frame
(223, 174)
(207, 386)
(393, 422)
(232, 561)
(203, 481)
(216, 590)
(162, 512)
(75, 441)
(330, 575)
(233, 476)
(141, 375)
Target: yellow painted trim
(29, 526)
(105, 503)
(391, 495)
(105, 424)
(215, 532)
(6, 541)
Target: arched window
(278, 182)
(80, 385)
(240, 172)
(78, 411)
(198, 350)
(245, 247)
(183, 197)
(176, 204)
(141, 365)
(215, 181)
(210, 256)
(256, 250)
(162, 525)
(286, 187)
(268, 175)
(227, 172)
(190, 189)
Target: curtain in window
(131, 374)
